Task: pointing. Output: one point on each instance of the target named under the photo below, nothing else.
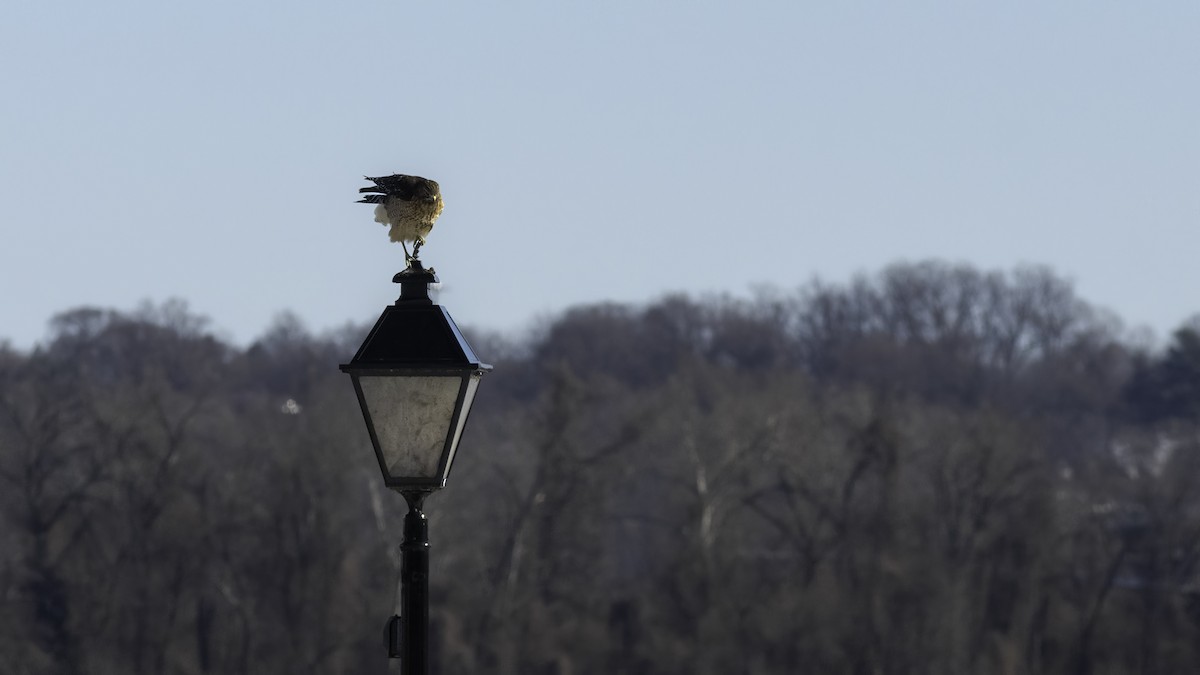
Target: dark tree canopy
(931, 469)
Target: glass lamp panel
(472, 385)
(412, 417)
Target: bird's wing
(372, 199)
(407, 188)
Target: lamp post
(416, 378)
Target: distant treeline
(929, 470)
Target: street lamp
(416, 378)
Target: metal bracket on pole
(391, 636)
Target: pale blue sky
(588, 151)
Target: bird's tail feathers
(373, 188)
(372, 199)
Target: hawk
(409, 204)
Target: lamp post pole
(414, 588)
(415, 377)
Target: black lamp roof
(414, 332)
(421, 335)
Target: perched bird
(409, 204)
